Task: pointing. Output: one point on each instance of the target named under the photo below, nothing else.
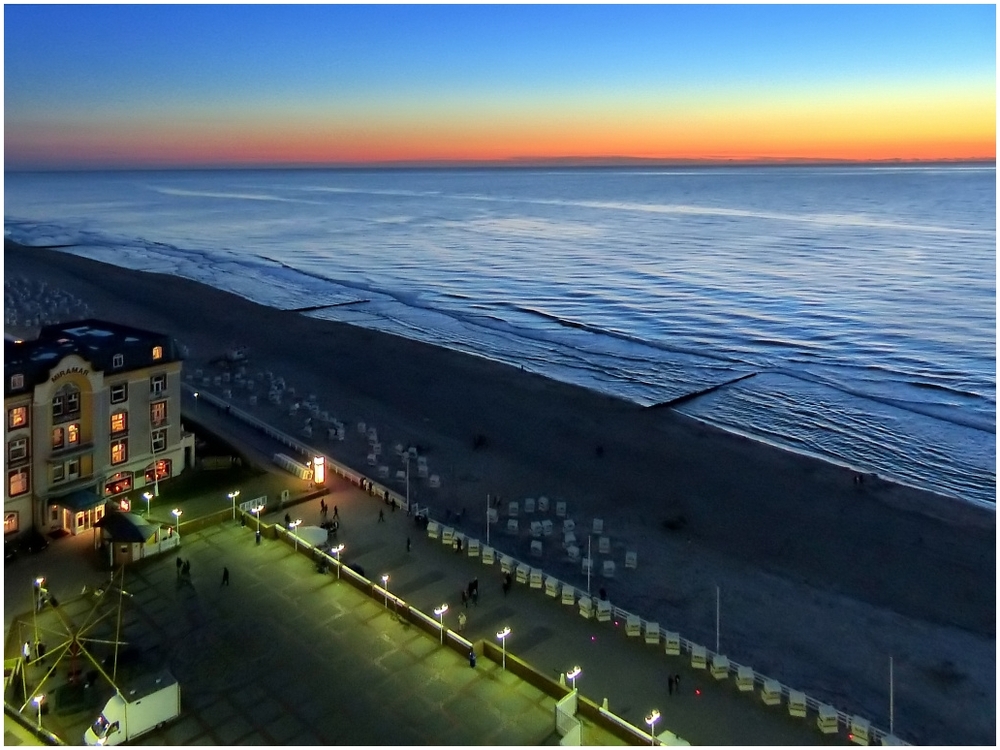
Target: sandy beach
(821, 579)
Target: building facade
(93, 411)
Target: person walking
(677, 683)
(381, 515)
(465, 600)
(180, 564)
(461, 622)
(336, 512)
(407, 544)
(225, 576)
(670, 685)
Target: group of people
(471, 593)
(183, 568)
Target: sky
(233, 85)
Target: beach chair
(422, 471)
(433, 529)
(633, 626)
(630, 560)
(377, 449)
(573, 552)
(399, 449)
(609, 569)
(522, 573)
(770, 693)
(672, 644)
(698, 657)
(744, 679)
(512, 507)
(543, 504)
(569, 539)
(860, 730)
(568, 595)
(796, 703)
(472, 545)
(586, 607)
(598, 526)
(512, 526)
(506, 564)
(569, 525)
(529, 505)
(535, 578)
(652, 633)
(435, 481)
(546, 527)
(587, 565)
(604, 545)
(400, 475)
(372, 435)
(536, 548)
(720, 667)
(372, 459)
(492, 516)
(253, 399)
(447, 536)
(362, 428)
(603, 610)
(827, 719)
(551, 587)
(536, 529)
(383, 472)
(560, 509)
(488, 555)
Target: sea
(860, 300)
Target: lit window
(157, 352)
(17, 450)
(157, 384)
(119, 422)
(17, 417)
(16, 382)
(10, 523)
(159, 440)
(119, 393)
(58, 437)
(158, 413)
(118, 360)
(119, 451)
(162, 470)
(73, 434)
(17, 482)
(119, 483)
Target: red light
(124, 505)
(850, 736)
(593, 639)
(697, 691)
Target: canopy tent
(80, 500)
(126, 527)
(313, 535)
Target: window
(18, 482)
(73, 469)
(58, 437)
(157, 384)
(159, 440)
(16, 382)
(119, 393)
(53, 513)
(157, 352)
(119, 451)
(119, 422)
(162, 471)
(119, 483)
(66, 403)
(73, 434)
(10, 522)
(158, 413)
(118, 360)
(58, 473)
(17, 417)
(17, 450)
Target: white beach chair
(770, 693)
(472, 547)
(598, 526)
(860, 730)
(573, 552)
(569, 525)
(604, 545)
(434, 481)
(744, 679)
(633, 626)
(529, 505)
(826, 721)
(698, 657)
(512, 507)
(383, 472)
(521, 574)
(796, 703)
(651, 633)
(489, 555)
(536, 549)
(535, 578)
(512, 526)
(672, 643)
(587, 565)
(568, 595)
(546, 527)
(603, 610)
(586, 607)
(631, 560)
(506, 564)
(536, 529)
(720, 667)
(551, 587)
(560, 509)
(609, 569)
(543, 504)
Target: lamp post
(385, 588)
(502, 635)
(232, 496)
(176, 512)
(654, 716)
(256, 510)
(590, 564)
(716, 619)
(337, 550)
(487, 520)
(38, 591)
(196, 402)
(407, 478)
(37, 700)
(439, 611)
(293, 527)
(573, 674)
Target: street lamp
(177, 519)
(196, 402)
(293, 527)
(654, 716)
(573, 674)
(232, 496)
(37, 700)
(147, 497)
(337, 550)
(385, 588)
(256, 511)
(502, 635)
(439, 611)
(38, 592)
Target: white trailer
(141, 705)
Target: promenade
(286, 655)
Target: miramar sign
(70, 371)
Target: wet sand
(821, 579)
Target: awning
(126, 527)
(79, 500)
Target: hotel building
(93, 412)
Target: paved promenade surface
(286, 655)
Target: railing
(843, 719)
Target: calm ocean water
(863, 297)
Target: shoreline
(857, 573)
